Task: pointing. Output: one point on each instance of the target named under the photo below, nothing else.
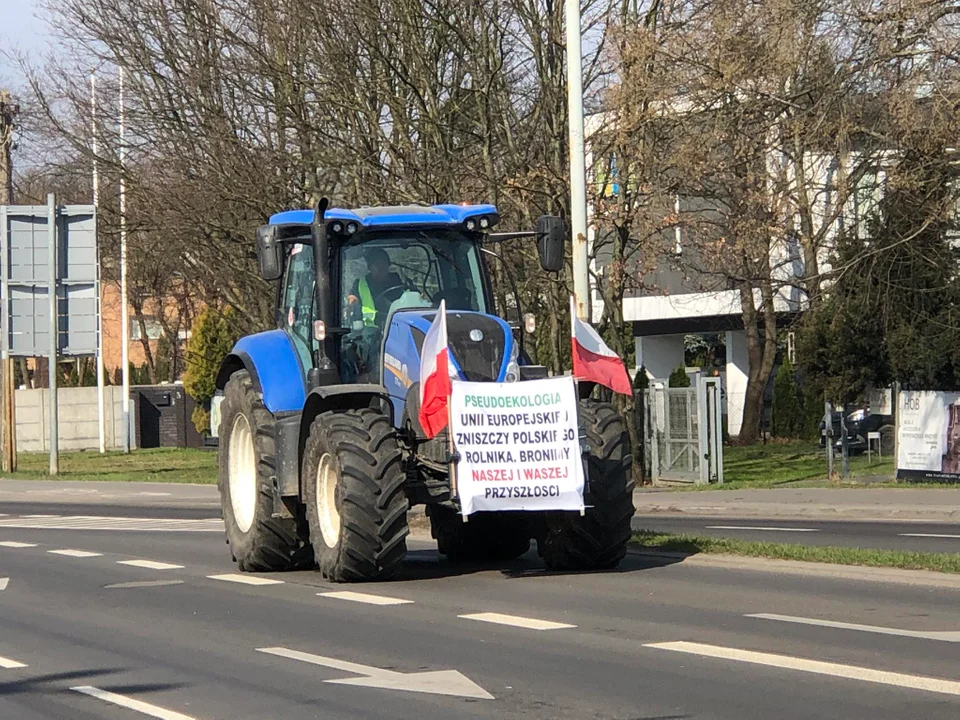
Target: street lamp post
(578, 178)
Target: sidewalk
(934, 504)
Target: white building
(687, 304)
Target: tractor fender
(340, 397)
(343, 397)
(274, 368)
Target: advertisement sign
(519, 445)
(880, 401)
(928, 436)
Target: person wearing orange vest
(368, 291)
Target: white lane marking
(14, 544)
(155, 494)
(8, 664)
(764, 529)
(139, 706)
(435, 682)
(4, 582)
(150, 564)
(930, 535)
(245, 579)
(142, 584)
(96, 522)
(75, 553)
(787, 662)
(365, 598)
(516, 621)
(943, 636)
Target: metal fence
(673, 433)
(683, 433)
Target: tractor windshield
(384, 272)
(417, 268)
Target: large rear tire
(352, 479)
(486, 537)
(597, 540)
(247, 459)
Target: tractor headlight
(484, 222)
(336, 227)
(471, 224)
(351, 228)
(513, 369)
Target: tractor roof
(404, 215)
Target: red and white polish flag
(435, 371)
(593, 361)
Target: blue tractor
(321, 450)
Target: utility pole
(8, 119)
(124, 310)
(8, 425)
(52, 366)
(101, 425)
(578, 175)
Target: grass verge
(693, 544)
(171, 465)
(777, 464)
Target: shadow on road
(41, 683)
(430, 565)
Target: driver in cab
(368, 295)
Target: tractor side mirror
(550, 239)
(268, 253)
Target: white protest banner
(928, 436)
(519, 445)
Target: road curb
(925, 578)
(947, 515)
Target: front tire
(598, 539)
(353, 480)
(247, 464)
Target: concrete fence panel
(79, 428)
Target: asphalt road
(165, 637)
(893, 535)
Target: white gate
(684, 433)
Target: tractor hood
(482, 345)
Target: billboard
(928, 436)
(25, 249)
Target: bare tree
(763, 119)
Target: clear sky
(20, 31)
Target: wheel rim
(243, 474)
(326, 494)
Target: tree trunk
(145, 342)
(761, 355)
(25, 374)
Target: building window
(154, 328)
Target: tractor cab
(388, 270)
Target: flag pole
(454, 457)
(573, 339)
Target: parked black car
(859, 422)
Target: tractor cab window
(392, 271)
(297, 309)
